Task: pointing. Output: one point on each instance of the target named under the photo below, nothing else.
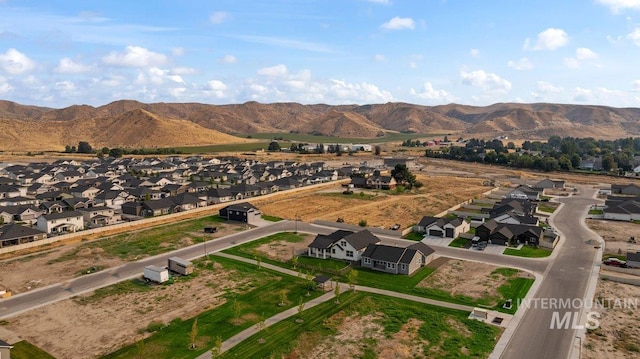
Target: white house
(59, 223)
(343, 245)
(442, 227)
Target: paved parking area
(437, 241)
(491, 249)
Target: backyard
(372, 326)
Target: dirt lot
(617, 336)
(283, 250)
(58, 328)
(616, 235)
(39, 270)
(470, 279)
(378, 208)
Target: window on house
(393, 266)
(403, 266)
(349, 253)
(333, 250)
(366, 260)
(343, 243)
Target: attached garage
(435, 232)
(449, 232)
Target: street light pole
(580, 348)
(296, 223)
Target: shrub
(362, 223)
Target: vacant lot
(616, 235)
(371, 326)
(228, 296)
(378, 208)
(65, 263)
(617, 336)
(473, 282)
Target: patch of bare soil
(37, 271)
(283, 250)
(616, 235)
(617, 335)
(353, 331)
(472, 279)
(61, 326)
(403, 344)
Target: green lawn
(549, 208)
(596, 211)
(147, 242)
(25, 350)
(322, 263)
(257, 300)
(304, 137)
(249, 250)
(459, 242)
(436, 336)
(271, 218)
(414, 236)
(528, 252)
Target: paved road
(566, 277)
(37, 298)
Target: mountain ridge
(181, 124)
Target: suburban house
(218, 195)
(381, 182)
(633, 259)
(621, 208)
(59, 223)
(524, 192)
(241, 212)
(150, 208)
(13, 234)
(520, 207)
(512, 218)
(629, 189)
(493, 232)
(548, 183)
(27, 214)
(396, 260)
(343, 245)
(5, 350)
(442, 227)
(99, 216)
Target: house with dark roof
(493, 232)
(633, 259)
(622, 208)
(13, 234)
(343, 245)
(524, 192)
(548, 183)
(241, 212)
(442, 227)
(625, 189)
(5, 350)
(396, 260)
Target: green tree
(293, 148)
(273, 146)
(301, 304)
(352, 277)
(84, 147)
(336, 291)
(116, 152)
(403, 176)
(608, 162)
(217, 347)
(67, 149)
(362, 223)
(377, 150)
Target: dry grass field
(378, 208)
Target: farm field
(371, 326)
(154, 321)
(377, 208)
(42, 269)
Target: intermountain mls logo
(567, 312)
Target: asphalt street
(567, 278)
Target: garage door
(435, 233)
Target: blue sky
(58, 53)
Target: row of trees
(556, 154)
(85, 147)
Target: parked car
(395, 227)
(615, 262)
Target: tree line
(85, 147)
(558, 153)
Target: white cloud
(635, 36)
(474, 52)
(183, 71)
(273, 71)
(635, 85)
(135, 56)
(218, 17)
(177, 92)
(485, 80)
(399, 23)
(358, 93)
(68, 66)
(583, 53)
(522, 64)
(429, 93)
(546, 87)
(228, 59)
(617, 5)
(5, 87)
(216, 85)
(571, 62)
(15, 62)
(549, 39)
(582, 95)
(379, 58)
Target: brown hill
(136, 124)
